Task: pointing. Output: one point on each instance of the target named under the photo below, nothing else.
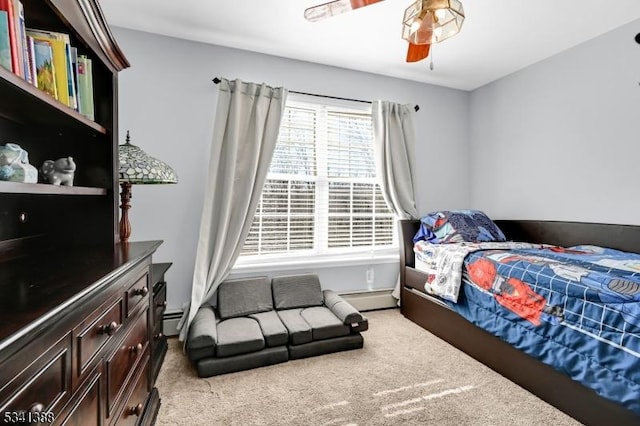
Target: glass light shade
(432, 21)
(137, 167)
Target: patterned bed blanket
(584, 287)
(576, 309)
(444, 263)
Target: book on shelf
(45, 59)
(73, 56)
(59, 42)
(85, 86)
(7, 6)
(5, 43)
(32, 61)
(71, 85)
(45, 70)
(91, 104)
(21, 35)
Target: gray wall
(167, 101)
(559, 139)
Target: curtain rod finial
(417, 108)
(216, 80)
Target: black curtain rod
(417, 107)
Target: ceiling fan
(425, 22)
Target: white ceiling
(497, 38)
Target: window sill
(316, 262)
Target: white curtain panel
(244, 137)
(393, 142)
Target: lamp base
(125, 198)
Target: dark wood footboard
(559, 390)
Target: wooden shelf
(30, 105)
(47, 189)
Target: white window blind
(321, 195)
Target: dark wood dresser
(75, 337)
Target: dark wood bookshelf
(75, 303)
(46, 189)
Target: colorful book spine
(74, 69)
(32, 60)
(5, 43)
(22, 42)
(71, 87)
(85, 84)
(91, 113)
(45, 70)
(7, 6)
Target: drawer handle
(162, 304)
(141, 291)
(36, 408)
(136, 349)
(136, 411)
(109, 329)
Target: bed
(447, 321)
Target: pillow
(243, 296)
(457, 226)
(297, 291)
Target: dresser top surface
(34, 289)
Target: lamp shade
(137, 167)
(432, 21)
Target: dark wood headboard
(621, 237)
(408, 228)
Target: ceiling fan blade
(336, 7)
(417, 52)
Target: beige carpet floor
(404, 375)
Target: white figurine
(14, 164)
(59, 172)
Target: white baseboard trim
(170, 323)
(371, 300)
(362, 301)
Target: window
(320, 196)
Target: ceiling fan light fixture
(432, 21)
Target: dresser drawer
(42, 385)
(85, 409)
(135, 405)
(103, 325)
(136, 295)
(159, 304)
(121, 363)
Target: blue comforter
(575, 309)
